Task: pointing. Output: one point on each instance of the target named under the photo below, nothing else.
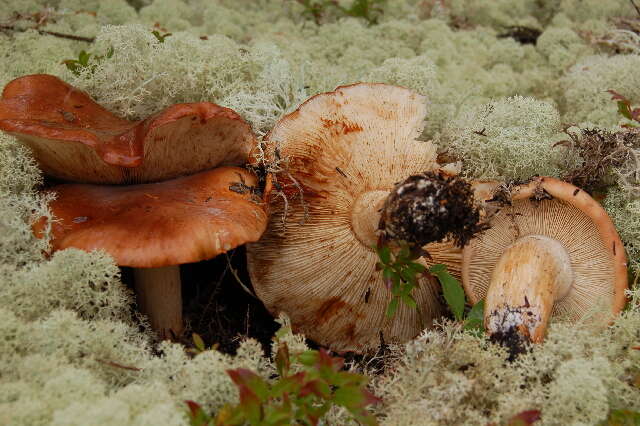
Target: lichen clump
(72, 348)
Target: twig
(51, 33)
(235, 274)
(115, 364)
(635, 7)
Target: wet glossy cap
(183, 220)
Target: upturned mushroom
(551, 250)
(157, 226)
(336, 161)
(75, 139)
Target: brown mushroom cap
(73, 138)
(345, 149)
(179, 221)
(558, 210)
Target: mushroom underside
(545, 257)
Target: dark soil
(429, 207)
(216, 307)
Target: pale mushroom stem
(530, 276)
(159, 297)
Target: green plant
(400, 273)
(625, 109)
(159, 36)
(77, 65)
(303, 397)
(401, 276)
(622, 418)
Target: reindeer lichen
(507, 139)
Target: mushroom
(157, 226)
(75, 139)
(551, 250)
(337, 159)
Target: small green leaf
(308, 358)
(83, 58)
(388, 273)
(393, 307)
(409, 301)
(452, 290)
(159, 36)
(349, 396)
(198, 342)
(438, 268)
(624, 109)
(384, 253)
(622, 418)
(475, 318)
(417, 268)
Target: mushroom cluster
(349, 169)
(346, 171)
(181, 208)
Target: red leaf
(525, 418)
(326, 360)
(252, 390)
(316, 387)
(194, 407)
(370, 398)
(617, 96)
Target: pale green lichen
(562, 47)
(71, 347)
(511, 139)
(450, 377)
(585, 86)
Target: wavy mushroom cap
(558, 210)
(346, 150)
(75, 139)
(179, 221)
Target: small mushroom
(157, 226)
(75, 139)
(338, 158)
(550, 250)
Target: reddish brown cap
(73, 138)
(179, 221)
